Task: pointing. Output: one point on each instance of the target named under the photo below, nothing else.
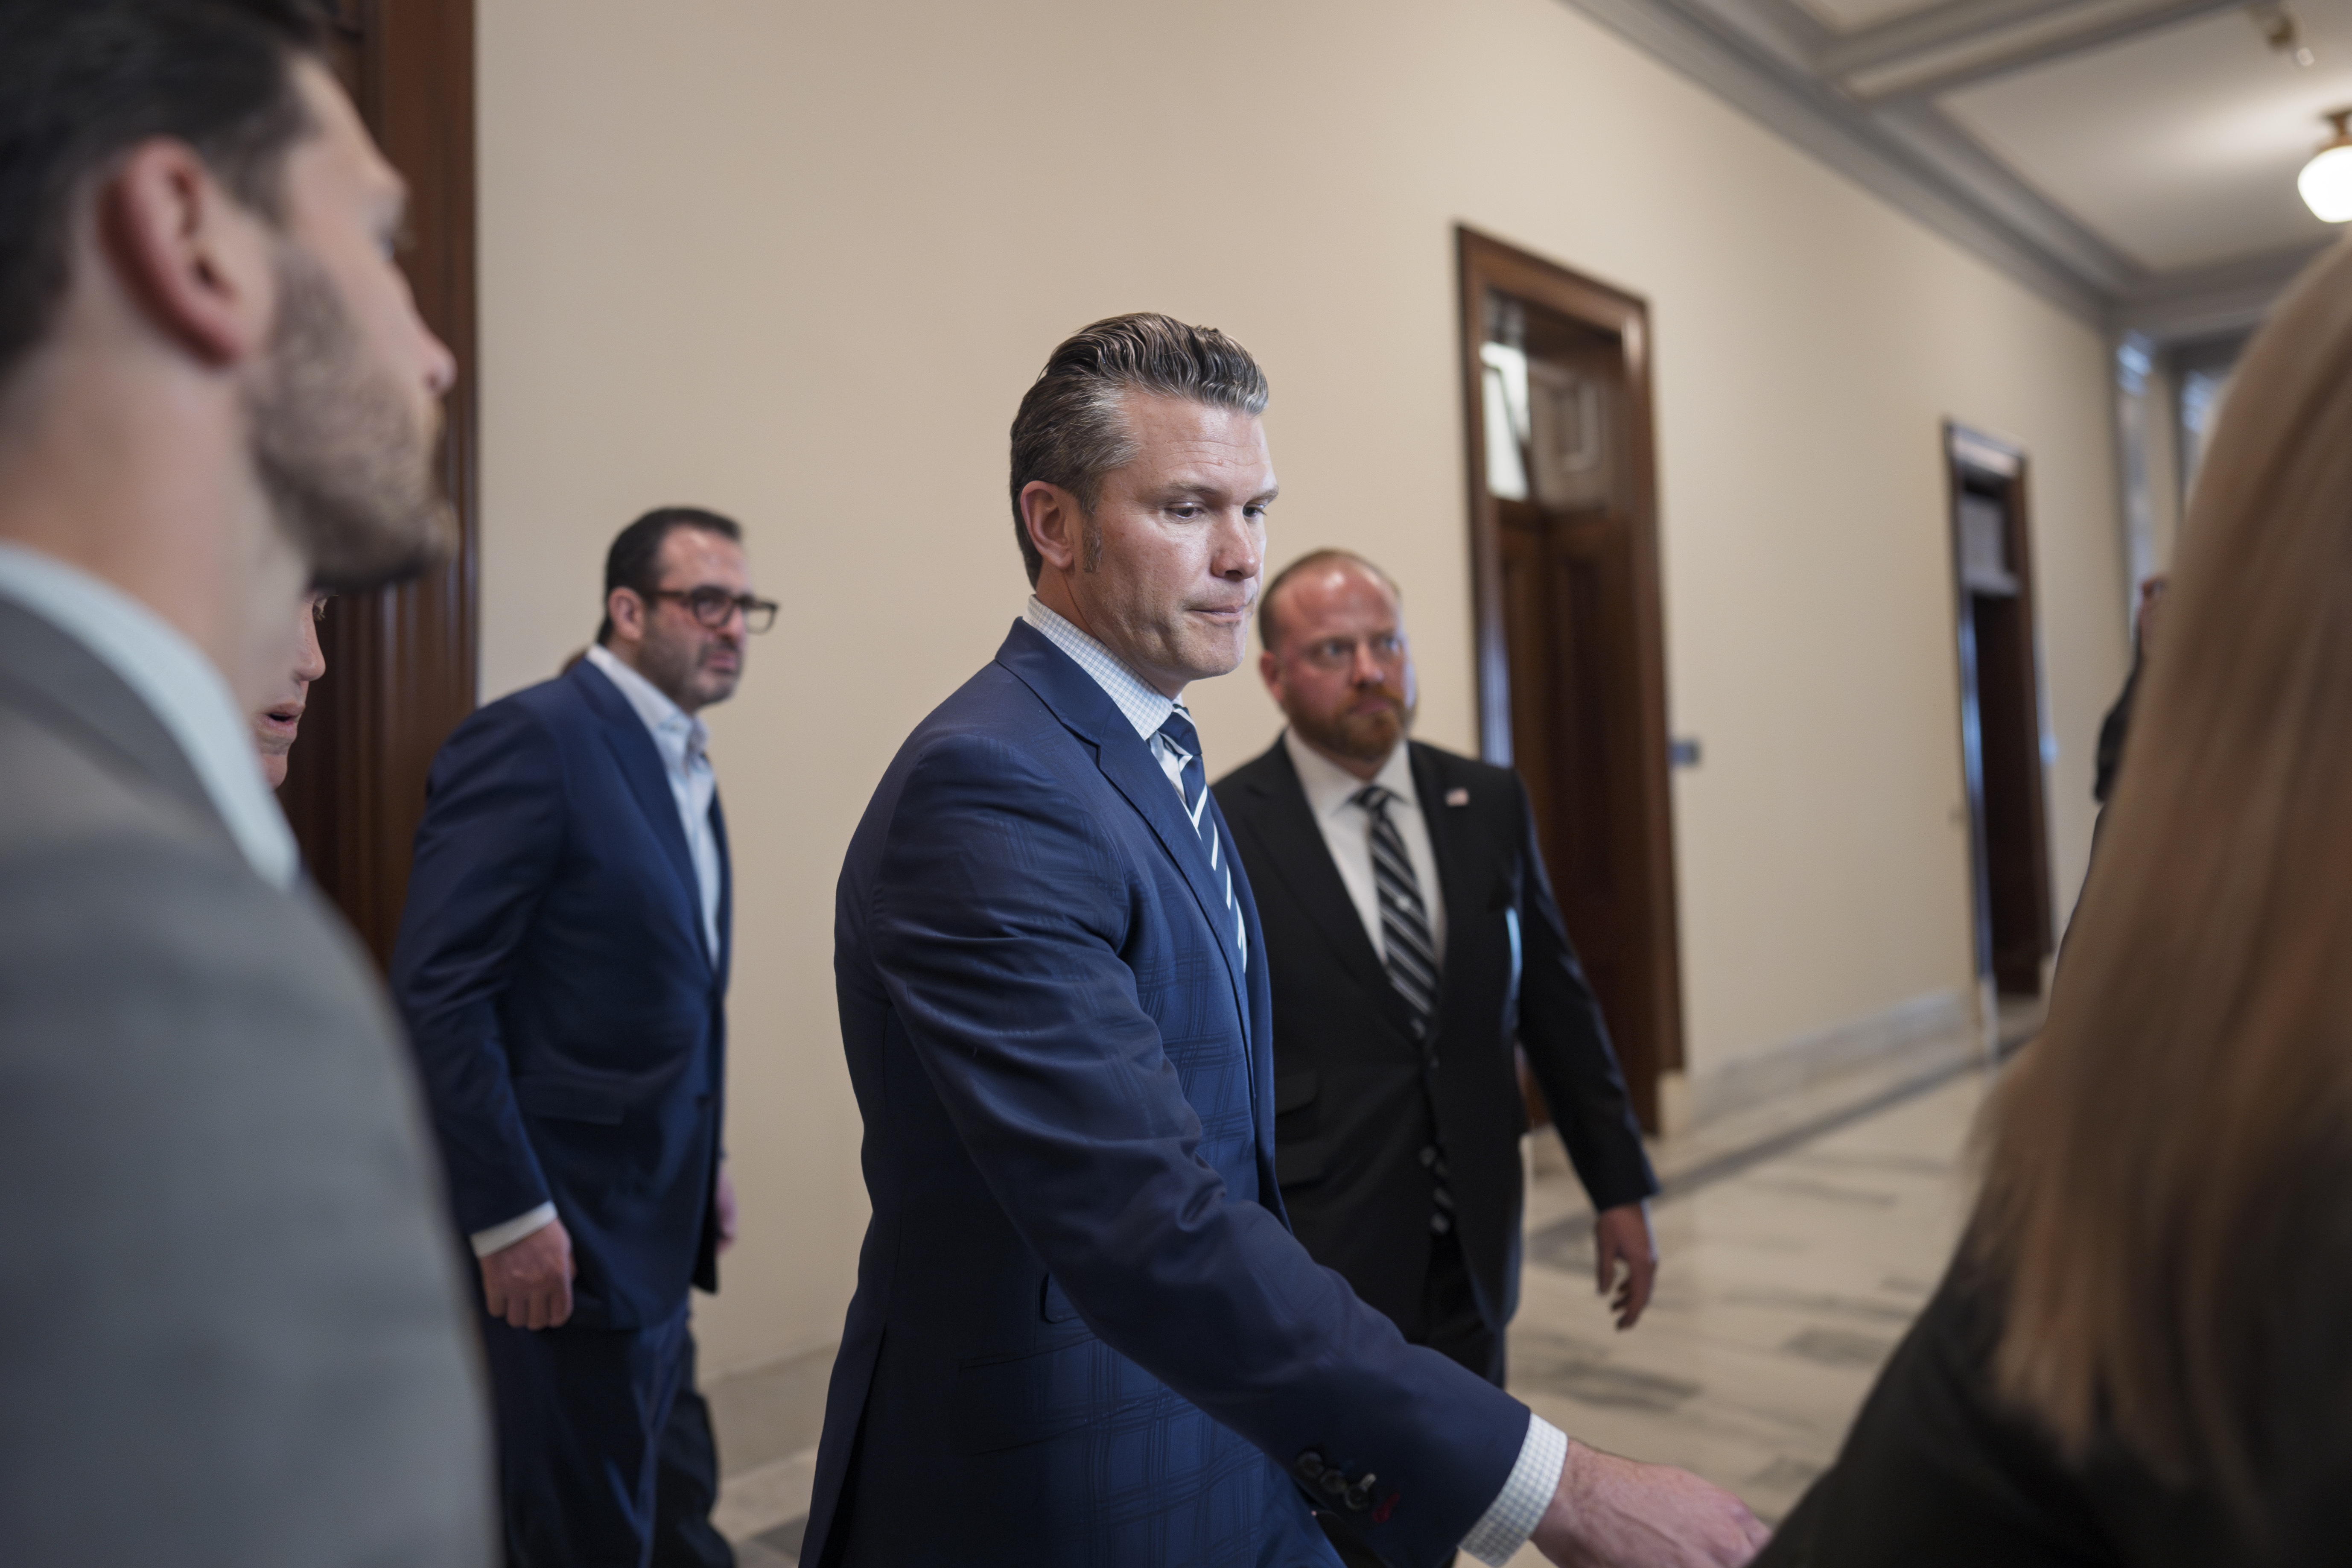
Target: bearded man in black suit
(1411, 939)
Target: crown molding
(1762, 56)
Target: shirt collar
(1145, 706)
(1331, 789)
(680, 734)
(171, 676)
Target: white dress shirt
(179, 685)
(1512, 1516)
(1348, 833)
(681, 739)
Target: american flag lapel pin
(1457, 797)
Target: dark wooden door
(400, 662)
(1574, 719)
(2000, 712)
(1571, 667)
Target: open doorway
(1571, 663)
(2001, 742)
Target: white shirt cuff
(500, 1237)
(1516, 1511)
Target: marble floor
(1796, 1241)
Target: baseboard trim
(1922, 1032)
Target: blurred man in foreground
(234, 1332)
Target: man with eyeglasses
(1410, 934)
(563, 965)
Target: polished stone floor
(1798, 1241)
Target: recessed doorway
(2001, 742)
(1571, 662)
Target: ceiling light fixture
(2282, 32)
(2326, 181)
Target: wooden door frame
(1484, 264)
(1970, 452)
(402, 663)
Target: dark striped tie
(1412, 960)
(1178, 731)
(1411, 955)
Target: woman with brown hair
(2143, 1352)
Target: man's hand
(723, 1203)
(1621, 1234)
(529, 1283)
(1608, 1512)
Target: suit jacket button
(1334, 1482)
(1359, 1496)
(1311, 1465)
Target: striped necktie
(1411, 959)
(1410, 954)
(1177, 733)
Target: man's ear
(627, 614)
(197, 258)
(1269, 669)
(1055, 521)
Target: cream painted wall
(798, 262)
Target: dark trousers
(1450, 1323)
(605, 1457)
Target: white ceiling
(2134, 159)
(2179, 147)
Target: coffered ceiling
(2133, 159)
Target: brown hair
(1071, 430)
(82, 81)
(1313, 558)
(2167, 1197)
(634, 560)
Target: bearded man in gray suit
(233, 1327)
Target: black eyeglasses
(715, 606)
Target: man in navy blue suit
(563, 965)
(1083, 1332)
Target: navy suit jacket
(568, 1017)
(1082, 1328)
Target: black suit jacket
(1356, 1101)
(1939, 1472)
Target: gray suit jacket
(231, 1325)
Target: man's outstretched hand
(1608, 1512)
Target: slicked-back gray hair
(1071, 429)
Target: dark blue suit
(1083, 1333)
(570, 1022)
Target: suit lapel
(47, 671)
(725, 957)
(1293, 849)
(1086, 709)
(1463, 872)
(640, 760)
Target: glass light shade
(2327, 183)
